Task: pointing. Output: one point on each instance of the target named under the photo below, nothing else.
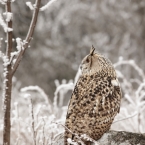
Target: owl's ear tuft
(92, 50)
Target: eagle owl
(95, 100)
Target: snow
(9, 16)
(3, 2)
(38, 89)
(6, 61)
(4, 25)
(71, 142)
(19, 43)
(29, 4)
(15, 53)
(1, 55)
(47, 5)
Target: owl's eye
(87, 60)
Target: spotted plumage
(95, 100)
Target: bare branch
(29, 35)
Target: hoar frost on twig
(47, 5)
(4, 25)
(30, 5)
(41, 91)
(3, 2)
(19, 48)
(64, 87)
(133, 64)
(9, 16)
(19, 44)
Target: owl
(95, 100)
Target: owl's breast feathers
(94, 104)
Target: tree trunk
(7, 109)
(7, 83)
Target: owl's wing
(92, 99)
(101, 93)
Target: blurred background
(65, 32)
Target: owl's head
(96, 63)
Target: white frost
(6, 61)
(9, 16)
(19, 43)
(47, 5)
(1, 55)
(4, 25)
(3, 2)
(71, 142)
(29, 4)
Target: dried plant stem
(32, 122)
(7, 83)
(43, 129)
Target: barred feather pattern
(94, 103)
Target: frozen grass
(36, 120)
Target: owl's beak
(92, 50)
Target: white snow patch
(4, 25)
(29, 4)
(47, 5)
(9, 16)
(19, 44)
(3, 2)
(71, 142)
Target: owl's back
(94, 103)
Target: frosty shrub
(38, 120)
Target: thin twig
(77, 136)
(29, 35)
(32, 122)
(43, 139)
(125, 118)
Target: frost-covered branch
(133, 64)
(47, 5)
(9, 16)
(3, 2)
(4, 25)
(7, 74)
(29, 4)
(65, 87)
(29, 35)
(41, 91)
